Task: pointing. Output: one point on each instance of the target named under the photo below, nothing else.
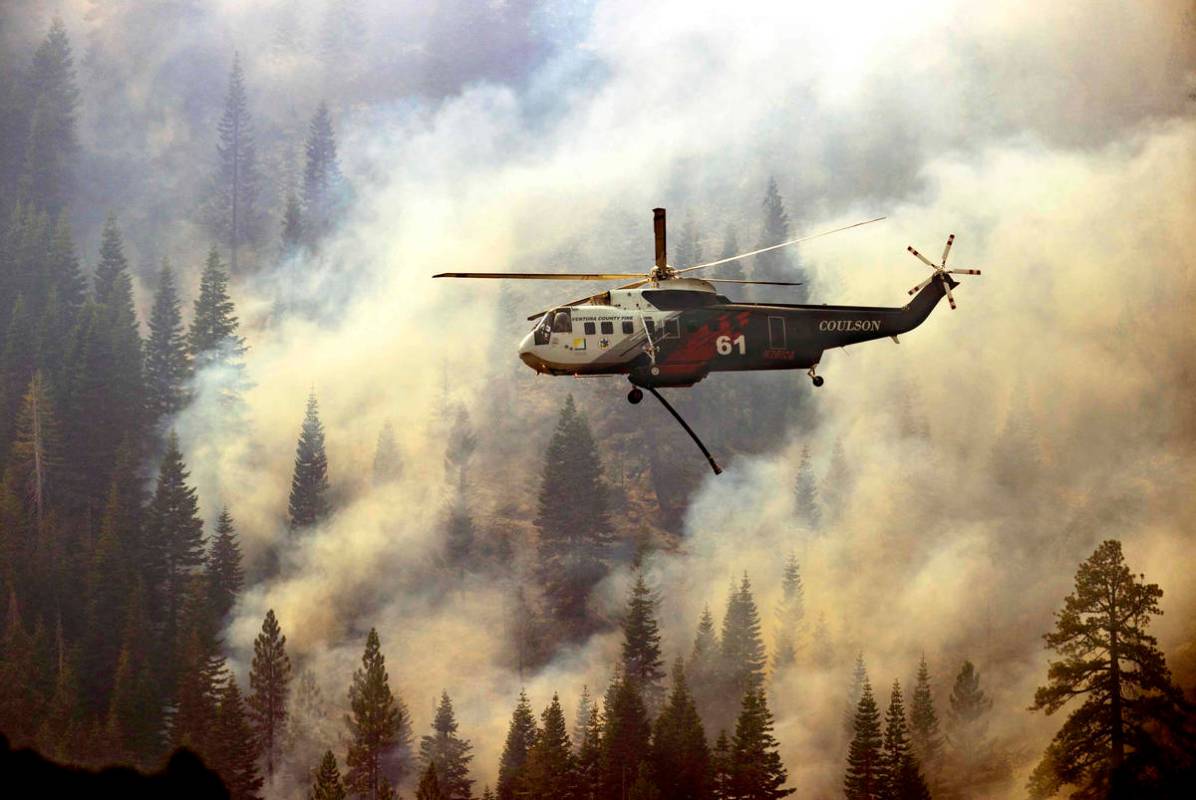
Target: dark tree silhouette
(309, 485)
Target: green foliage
(642, 663)
(680, 755)
(703, 666)
(53, 141)
(225, 574)
(551, 770)
(790, 613)
(379, 726)
(575, 532)
(720, 769)
(327, 784)
(756, 769)
(925, 738)
(447, 753)
(895, 750)
(625, 739)
(1127, 736)
(521, 737)
(864, 779)
(429, 785)
(234, 212)
(308, 503)
(805, 491)
(742, 657)
(321, 177)
(778, 265)
(235, 754)
(213, 337)
(167, 362)
(269, 683)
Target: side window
(628, 327)
(562, 322)
(589, 327)
(651, 323)
(672, 329)
(608, 328)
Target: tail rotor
(941, 272)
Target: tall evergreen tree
(1126, 737)
(731, 269)
(35, 456)
(969, 704)
(429, 785)
(756, 769)
(447, 753)
(309, 484)
(822, 648)
(925, 739)
(589, 756)
(585, 707)
(201, 675)
(225, 574)
(112, 263)
(777, 265)
(859, 677)
(167, 362)
(551, 770)
(743, 656)
(388, 464)
(790, 613)
(575, 532)
(379, 727)
(135, 703)
(680, 755)
(895, 749)
(63, 268)
(292, 235)
(53, 141)
(174, 537)
(642, 663)
(703, 667)
(625, 740)
(720, 769)
(521, 737)
(805, 494)
(864, 777)
(235, 212)
(213, 337)
(235, 754)
(269, 683)
(327, 784)
(321, 176)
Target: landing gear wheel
(635, 395)
(818, 380)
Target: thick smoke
(986, 454)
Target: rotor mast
(662, 270)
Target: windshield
(559, 320)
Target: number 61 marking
(725, 344)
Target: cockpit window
(561, 321)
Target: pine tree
(61, 727)
(581, 722)
(53, 141)
(1125, 738)
(36, 451)
(625, 740)
(225, 574)
(720, 769)
(731, 269)
(790, 613)
(429, 785)
(689, 245)
(167, 362)
(107, 588)
(777, 265)
(680, 755)
(459, 532)
(837, 484)
(805, 492)
(859, 677)
(925, 739)
(575, 533)
(910, 784)
(63, 268)
(174, 536)
(448, 753)
(235, 756)
(213, 335)
(589, 757)
(201, 675)
(895, 750)
(756, 769)
(321, 177)
(235, 212)
(379, 726)
(743, 656)
(269, 683)
(292, 235)
(388, 464)
(551, 771)
(309, 486)
(703, 666)
(134, 709)
(864, 777)
(521, 737)
(327, 784)
(112, 262)
(642, 663)
(969, 704)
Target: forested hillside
(269, 494)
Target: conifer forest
(271, 494)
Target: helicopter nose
(527, 353)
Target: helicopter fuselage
(676, 332)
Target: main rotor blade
(775, 246)
(758, 283)
(571, 303)
(545, 276)
(964, 271)
(947, 249)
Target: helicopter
(667, 328)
